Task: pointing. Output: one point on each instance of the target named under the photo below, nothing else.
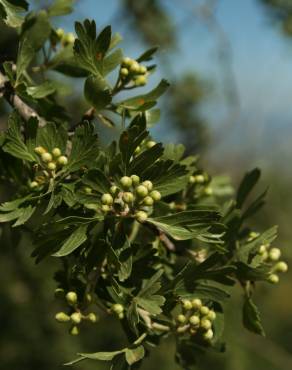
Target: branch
(16, 102)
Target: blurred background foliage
(214, 124)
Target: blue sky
(262, 66)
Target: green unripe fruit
(135, 179)
(124, 72)
(196, 303)
(206, 324)
(74, 330)
(88, 298)
(148, 201)
(192, 179)
(181, 319)
(87, 190)
(208, 335)
(117, 308)
(150, 144)
(200, 179)
(142, 70)
(155, 195)
(126, 182)
(128, 197)
(265, 256)
(105, 208)
(71, 298)
(262, 249)
(62, 317)
(33, 184)
(127, 61)
(60, 32)
(46, 157)
(211, 315)
(92, 317)
(40, 150)
(141, 216)
(187, 305)
(148, 184)
(56, 152)
(134, 67)
(142, 191)
(194, 320)
(113, 189)
(137, 150)
(281, 267)
(107, 199)
(121, 316)
(68, 38)
(62, 161)
(208, 191)
(204, 310)
(76, 317)
(273, 279)
(140, 81)
(51, 166)
(274, 254)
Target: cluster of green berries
(201, 179)
(132, 196)
(50, 162)
(76, 316)
(196, 319)
(271, 256)
(118, 310)
(65, 38)
(146, 144)
(131, 70)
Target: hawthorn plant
(141, 231)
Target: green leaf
(25, 216)
(97, 92)
(11, 11)
(140, 164)
(246, 186)
(97, 181)
(24, 56)
(77, 238)
(14, 204)
(60, 7)
(112, 61)
(101, 356)
(42, 90)
(51, 137)
(251, 317)
(134, 354)
(147, 55)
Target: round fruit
(126, 182)
(124, 72)
(204, 310)
(206, 324)
(200, 179)
(46, 157)
(140, 81)
(155, 195)
(128, 197)
(192, 179)
(135, 179)
(148, 201)
(127, 61)
(107, 199)
(262, 249)
(194, 320)
(40, 150)
(142, 69)
(56, 152)
(33, 184)
(92, 317)
(273, 279)
(60, 32)
(150, 144)
(196, 303)
(113, 189)
(187, 305)
(274, 254)
(211, 315)
(134, 67)
(51, 166)
(62, 160)
(208, 335)
(87, 190)
(62, 317)
(74, 330)
(117, 308)
(208, 191)
(69, 38)
(281, 267)
(148, 184)
(71, 297)
(142, 191)
(141, 216)
(121, 316)
(105, 208)
(181, 319)
(76, 317)
(137, 150)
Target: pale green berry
(262, 249)
(107, 199)
(134, 67)
(148, 184)
(155, 195)
(87, 190)
(274, 254)
(71, 297)
(208, 335)
(137, 150)
(193, 331)
(187, 305)
(105, 208)
(62, 161)
(92, 317)
(142, 69)
(46, 157)
(60, 32)
(76, 317)
(124, 72)
(56, 152)
(273, 279)
(265, 256)
(117, 308)
(200, 179)
(135, 179)
(128, 197)
(74, 330)
(141, 81)
(142, 191)
(126, 182)
(206, 324)
(113, 189)
(127, 61)
(62, 317)
(211, 315)
(281, 267)
(51, 166)
(148, 201)
(192, 179)
(33, 184)
(181, 318)
(69, 38)
(150, 144)
(40, 150)
(208, 191)
(121, 315)
(204, 310)
(194, 320)
(141, 216)
(88, 297)
(196, 303)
